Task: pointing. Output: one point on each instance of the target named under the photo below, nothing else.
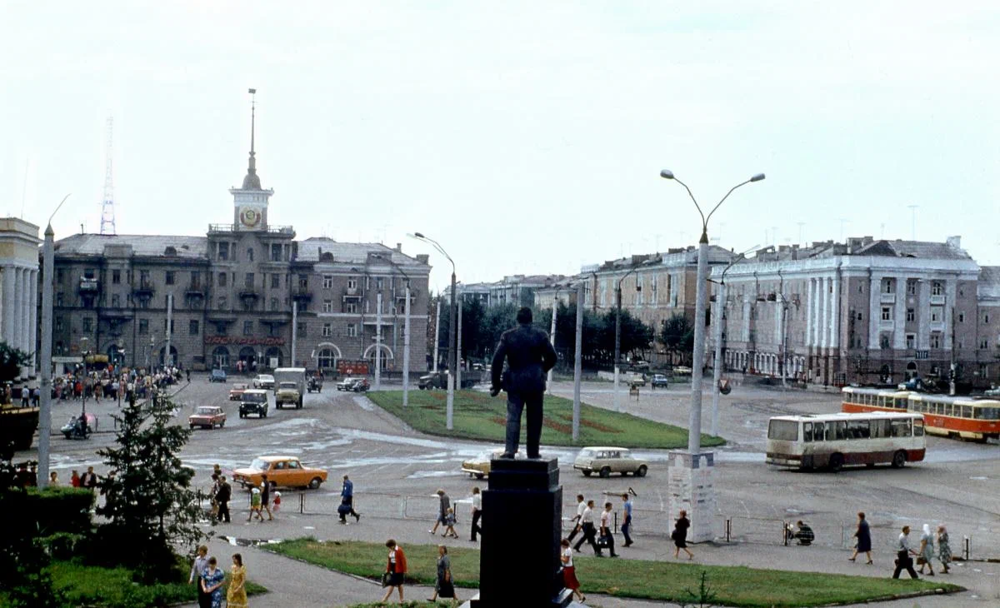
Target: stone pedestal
(691, 488)
(522, 522)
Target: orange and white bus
(955, 417)
(838, 440)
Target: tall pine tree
(150, 506)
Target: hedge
(55, 510)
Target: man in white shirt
(903, 559)
(477, 512)
(589, 532)
(607, 524)
(581, 505)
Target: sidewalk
(302, 584)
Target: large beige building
(247, 290)
(865, 311)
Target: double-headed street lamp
(406, 334)
(697, 371)
(618, 334)
(453, 338)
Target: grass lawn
(661, 581)
(481, 417)
(95, 586)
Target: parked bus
(955, 417)
(838, 440)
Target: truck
(282, 375)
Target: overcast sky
(525, 137)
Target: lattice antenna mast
(108, 206)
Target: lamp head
(668, 174)
(757, 178)
(421, 236)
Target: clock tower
(250, 201)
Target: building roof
(950, 250)
(311, 249)
(141, 244)
(989, 282)
(681, 256)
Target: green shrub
(62, 545)
(60, 510)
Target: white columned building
(18, 303)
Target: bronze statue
(529, 356)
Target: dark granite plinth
(522, 525)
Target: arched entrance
(273, 357)
(220, 357)
(385, 354)
(911, 370)
(327, 355)
(116, 354)
(173, 355)
(248, 355)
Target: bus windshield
(783, 430)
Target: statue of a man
(529, 356)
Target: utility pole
(577, 361)
(378, 341)
(458, 349)
(552, 335)
(437, 333)
(406, 347)
(295, 328)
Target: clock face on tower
(250, 217)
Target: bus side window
(841, 425)
(901, 428)
(918, 427)
(880, 428)
(807, 431)
(819, 431)
(966, 411)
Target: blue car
(218, 375)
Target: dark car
(360, 385)
(659, 381)
(433, 380)
(218, 375)
(253, 401)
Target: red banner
(244, 341)
(352, 368)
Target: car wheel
(899, 459)
(587, 473)
(605, 472)
(480, 475)
(192, 428)
(836, 462)
(641, 471)
(315, 483)
(222, 424)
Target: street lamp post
(618, 334)
(720, 307)
(577, 363)
(406, 335)
(452, 342)
(694, 417)
(45, 410)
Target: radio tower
(108, 206)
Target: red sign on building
(244, 341)
(352, 368)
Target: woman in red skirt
(569, 572)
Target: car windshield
(259, 464)
(266, 378)
(208, 411)
(255, 397)
(588, 454)
(288, 385)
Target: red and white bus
(837, 440)
(955, 417)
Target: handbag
(385, 579)
(604, 541)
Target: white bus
(836, 440)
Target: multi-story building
(19, 286)
(246, 291)
(516, 289)
(866, 311)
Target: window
(88, 273)
(352, 282)
(248, 280)
(961, 317)
(901, 428)
(351, 308)
(170, 277)
(937, 314)
(326, 359)
(911, 341)
(223, 251)
(59, 275)
(222, 279)
(911, 287)
(861, 288)
(935, 340)
(300, 329)
(378, 283)
(888, 285)
(250, 254)
(144, 278)
(116, 277)
(248, 328)
(861, 316)
(195, 279)
(276, 252)
(327, 330)
(59, 324)
(807, 431)
(193, 327)
(937, 289)
(880, 428)
(88, 325)
(327, 305)
(352, 330)
(887, 313)
(984, 344)
(303, 281)
(115, 300)
(858, 429)
(327, 281)
(275, 281)
(986, 318)
(274, 303)
(911, 315)
(884, 340)
(143, 326)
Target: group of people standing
(210, 580)
(924, 553)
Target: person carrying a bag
(607, 540)
(395, 570)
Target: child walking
(449, 522)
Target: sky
(526, 137)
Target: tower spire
(252, 181)
(108, 203)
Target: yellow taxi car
(284, 471)
(480, 465)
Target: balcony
(350, 291)
(887, 298)
(937, 325)
(249, 293)
(89, 286)
(195, 290)
(143, 289)
(937, 300)
(886, 324)
(302, 294)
